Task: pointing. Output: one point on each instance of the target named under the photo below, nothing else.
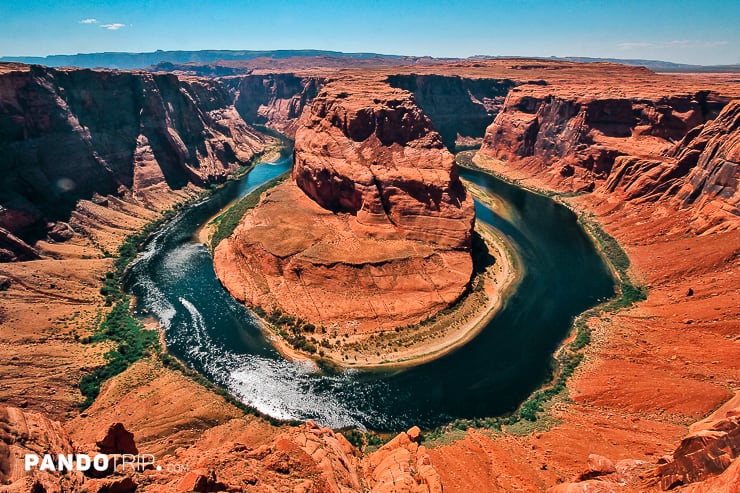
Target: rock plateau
(373, 231)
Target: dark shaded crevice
(456, 105)
(383, 202)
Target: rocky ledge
(374, 229)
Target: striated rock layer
(67, 135)
(700, 172)
(460, 108)
(231, 452)
(275, 100)
(24, 433)
(711, 187)
(647, 376)
(374, 229)
(680, 148)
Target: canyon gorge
(89, 157)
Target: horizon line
(389, 55)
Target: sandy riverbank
(448, 332)
(205, 231)
(428, 340)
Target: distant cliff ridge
(274, 100)
(178, 58)
(124, 61)
(66, 134)
(461, 108)
(680, 149)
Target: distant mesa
(128, 61)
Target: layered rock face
(67, 135)
(589, 132)
(276, 100)
(373, 153)
(680, 148)
(374, 229)
(712, 187)
(24, 433)
(700, 171)
(402, 465)
(238, 454)
(461, 108)
(706, 460)
(703, 453)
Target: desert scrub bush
(131, 342)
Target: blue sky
(700, 32)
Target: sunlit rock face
(374, 229)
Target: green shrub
(226, 222)
(133, 342)
(583, 336)
(119, 325)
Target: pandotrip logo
(85, 462)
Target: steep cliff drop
(73, 142)
(275, 100)
(87, 158)
(374, 229)
(650, 371)
(460, 108)
(676, 146)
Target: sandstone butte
(663, 181)
(373, 230)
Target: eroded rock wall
(275, 100)
(67, 135)
(460, 108)
(375, 155)
(678, 148)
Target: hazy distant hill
(161, 59)
(659, 65)
(118, 60)
(654, 65)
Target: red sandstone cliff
(24, 433)
(67, 135)
(649, 371)
(701, 171)
(276, 100)
(711, 188)
(459, 107)
(241, 453)
(372, 153)
(374, 231)
(681, 148)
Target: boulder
(702, 454)
(201, 481)
(60, 231)
(599, 465)
(117, 440)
